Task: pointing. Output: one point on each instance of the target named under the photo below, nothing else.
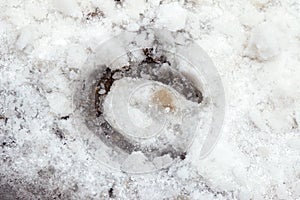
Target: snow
(135, 8)
(67, 7)
(264, 42)
(133, 27)
(59, 104)
(172, 16)
(49, 51)
(137, 161)
(24, 38)
(76, 56)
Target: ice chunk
(258, 120)
(206, 196)
(183, 172)
(17, 16)
(107, 7)
(172, 16)
(263, 44)
(282, 192)
(162, 161)
(296, 190)
(244, 194)
(229, 157)
(136, 162)
(76, 56)
(37, 11)
(259, 3)
(278, 119)
(59, 103)
(108, 52)
(251, 17)
(24, 38)
(67, 7)
(294, 143)
(133, 27)
(134, 8)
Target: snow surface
(255, 46)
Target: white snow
(44, 46)
(76, 56)
(172, 16)
(137, 161)
(135, 8)
(67, 7)
(59, 104)
(264, 42)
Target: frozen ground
(255, 45)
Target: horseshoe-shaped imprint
(152, 66)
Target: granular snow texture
(254, 44)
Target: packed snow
(47, 150)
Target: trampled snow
(46, 146)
